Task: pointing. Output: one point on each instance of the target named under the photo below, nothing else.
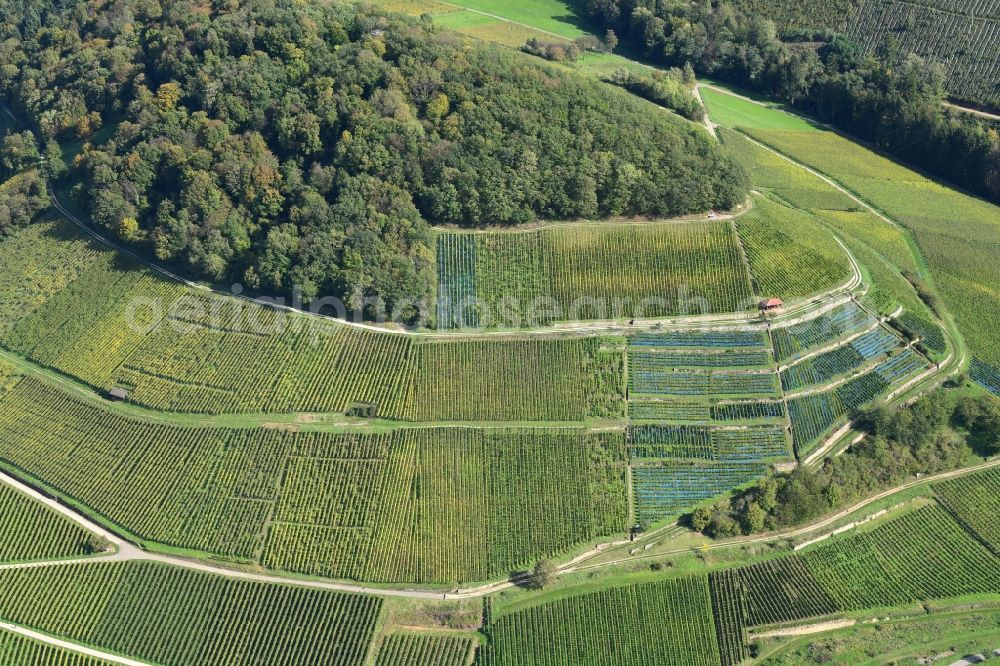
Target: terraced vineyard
(815, 415)
(956, 233)
(974, 501)
(668, 623)
(279, 497)
(668, 488)
(878, 245)
(653, 270)
(30, 531)
(752, 444)
(424, 650)
(140, 608)
(793, 342)
(673, 384)
(821, 369)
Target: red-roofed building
(771, 304)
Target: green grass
(733, 111)
(562, 17)
(175, 617)
(668, 623)
(33, 532)
(435, 505)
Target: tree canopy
(280, 143)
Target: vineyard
(832, 364)
(782, 590)
(415, 504)
(881, 247)
(986, 375)
(20, 651)
(666, 381)
(424, 650)
(963, 36)
(921, 555)
(793, 342)
(518, 380)
(708, 340)
(732, 445)
(814, 415)
(974, 501)
(666, 489)
(31, 531)
(791, 255)
(140, 609)
(729, 608)
(590, 272)
(668, 623)
(929, 333)
(110, 323)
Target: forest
(893, 99)
(279, 144)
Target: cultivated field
(20, 651)
(74, 306)
(955, 233)
(33, 532)
(668, 623)
(424, 650)
(417, 505)
(140, 609)
(653, 270)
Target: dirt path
(974, 112)
(72, 647)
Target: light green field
(957, 234)
(733, 111)
(562, 17)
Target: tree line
(893, 100)
(280, 143)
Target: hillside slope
(281, 144)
